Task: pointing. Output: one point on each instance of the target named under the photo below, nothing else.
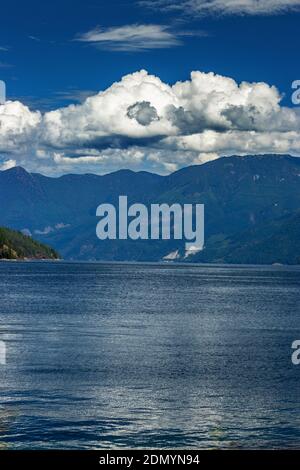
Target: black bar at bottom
(136, 459)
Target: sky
(95, 86)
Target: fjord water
(137, 355)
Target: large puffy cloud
(18, 126)
(141, 106)
(237, 142)
(106, 116)
(144, 123)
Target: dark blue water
(127, 356)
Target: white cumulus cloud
(143, 123)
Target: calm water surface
(168, 356)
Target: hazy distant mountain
(251, 209)
(274, 241)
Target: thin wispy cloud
(226, 7)
(75, 95)
(55, 99)
(34, 38)
(3, 49)
(4, 65)
(135, 37)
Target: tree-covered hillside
(15, 245)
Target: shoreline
(152, 263)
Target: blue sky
(45, 60)
(59, 52)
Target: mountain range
(252, 210)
